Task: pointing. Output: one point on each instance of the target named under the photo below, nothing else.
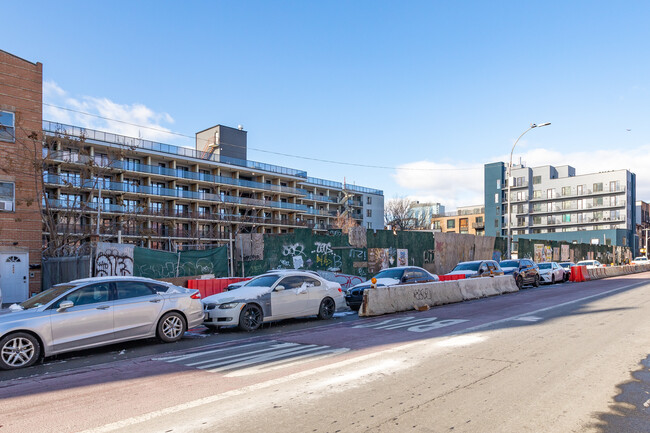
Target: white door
(292, 301)
(14, 268)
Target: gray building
(423, 213)
(554, 203)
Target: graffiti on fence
(113, 260)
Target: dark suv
(525, 271)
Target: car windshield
(262, 281)
(585, 263)
(544, 265)
(509, 264)
(390, 273)
(468, 266)
(46, 296)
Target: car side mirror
(65, 305)
(279, 288)
(404, 279)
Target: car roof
(115, 278)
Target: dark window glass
(293, 282)
(88, 295)
(132, 289)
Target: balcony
(125, 187)
(172, 173)
(100, 137)
(478, 226)
(585, 193)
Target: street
(570, 357)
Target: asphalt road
(572, 357)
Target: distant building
(554, 203)
(21, 234)
(465, 220)
(422, 213)
(642, 226)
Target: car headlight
(228, 306)
(209, 306)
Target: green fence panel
(163, 264)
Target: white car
(551, 272)
(271, 297)
(640, 261)
(590, 264)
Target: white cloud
(454, 188)
(133, 120)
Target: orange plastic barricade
(585, 274)
(451, 277)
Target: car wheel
(250, 318)
(520, 282)
(553, 279)
(326, 310)
(19, 350)
(171, 327)
(536, 282)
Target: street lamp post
(509, 181)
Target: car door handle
(154, 300)
(103, 307)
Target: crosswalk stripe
(259, 358)
(242, 354)
(194, 355)
(286, 363)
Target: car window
(416, 273)
(91, 294)
(263, 281)
(132, 289)
(484, 267)
(509, 264)
(158, 287)
(491, 266)
(311, 282)
(390, 273)
(292, 282)
(467, 266)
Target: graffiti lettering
(323, 248)
(428, 256)
(358, 254)
(111, 262)
(422, 294)
(293, 250)
(332, 232)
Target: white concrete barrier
(616, 271)
(391, 299)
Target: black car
(525, 271)
(389, 277)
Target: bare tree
(397, 214)
(345, 222)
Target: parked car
(389, 277)
(551, 272)
(477, 268)
(590, 264)
(640, 261)
(94, 312)
(567, 269)
(273, 296)
(525, 271)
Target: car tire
(520, 282)
(250, 318)
(326, 309)
(19, 350)
(553, 279)
(171, 327)
(536, 281)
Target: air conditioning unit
(6, 206)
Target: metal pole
(509, 173)
(99, 208)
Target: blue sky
(433, 88)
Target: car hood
(380, 282)
(8, 315)
(545, 271)
(240, 294)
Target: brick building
(21, 96)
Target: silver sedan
(94, 312)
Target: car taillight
(340, 291)
(196, 295)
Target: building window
(369, 200)
(369, 213)
(7, 127)
(369, 225)
(537, 180)
(7, 196)
(496, 223)
(537, 220)
(451, 224)
(479, 219)
(598, 187)
(566, 191)
(498, 183)
(537, 193)
(496, 198)
(566, 218)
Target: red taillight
(340, 291)
(196, 295)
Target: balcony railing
(126, 187)
(574, 207)
(585, 192)
(100, 137)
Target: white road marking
(178, 358)
(529, 319)
(229, 359)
